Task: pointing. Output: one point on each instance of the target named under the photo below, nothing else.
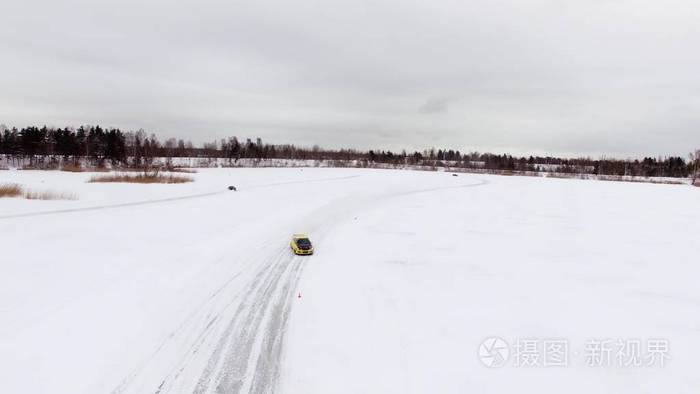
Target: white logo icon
(494, 352)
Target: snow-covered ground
(193, 288)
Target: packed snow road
(193, 289)
(231, 341)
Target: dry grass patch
(49, 195)
(10, 190)
(159, 169)
(140, 178)
(80, 168)
(41, 166)
(182, 170)
(15, 190)
(73, 168)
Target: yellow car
(301, 245)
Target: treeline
(45, 147)
(37, 144)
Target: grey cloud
(434, 105)
(582, 77)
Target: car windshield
(303, 242)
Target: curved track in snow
(235, 341)
(162, 200)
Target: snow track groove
(258, 322)
(247, 346)
(235, 340)
(163, 200)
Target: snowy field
(192, 288)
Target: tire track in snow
(111, 206)
(193, 318)
(162, 200)
(266, 367)
(246, 357)
(207, 315)
(211, 318)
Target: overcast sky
(574, 77)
